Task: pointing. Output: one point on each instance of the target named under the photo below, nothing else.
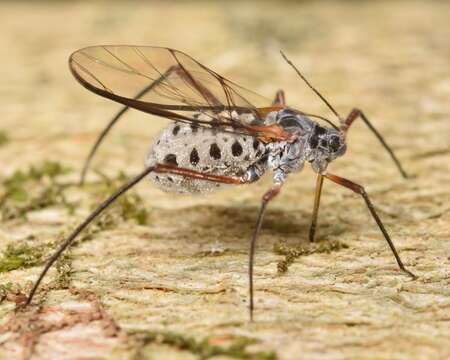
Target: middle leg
(361, 191)
(268, 195)
(318, 192)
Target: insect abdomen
(203, 150)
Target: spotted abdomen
(204, 150)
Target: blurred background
(389, 58)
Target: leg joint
(360, 190)
(269, 195)
(350, 118)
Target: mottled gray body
(204, 150)
(221, 153)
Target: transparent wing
(180, 87)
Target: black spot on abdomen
(236, 149)
(171, 159)
(319, 130)
(194, 158)
(175, 130)
(194, 128)
(214, 151)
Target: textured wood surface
(176, 288)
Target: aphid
(222, 134)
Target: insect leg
(168, 169)
(156, 168)
(360, 190)
(114, 120)
(280, 98)
(269, 195)
(354, 114)
(103, 206)
(312, 227)
(278, 103)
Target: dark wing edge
(193, 88)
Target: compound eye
(335, 143)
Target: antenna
(311, 87)
(353, 115)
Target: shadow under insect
(228, 227)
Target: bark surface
(170, 280)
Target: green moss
(65, 270)
(290, 254)
(21, 255)
(129, 206)
(39, 187)
(49, 169)
(204, 349)
(5, 289)
(4, 138)
(33, 189)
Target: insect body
(202, 149)
(221, 134)
(241, 156)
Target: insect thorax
(314, 143)
(205, 150)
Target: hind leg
(159, 168)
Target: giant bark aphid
(221, 134)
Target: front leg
(357, 113)
(361, 191)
